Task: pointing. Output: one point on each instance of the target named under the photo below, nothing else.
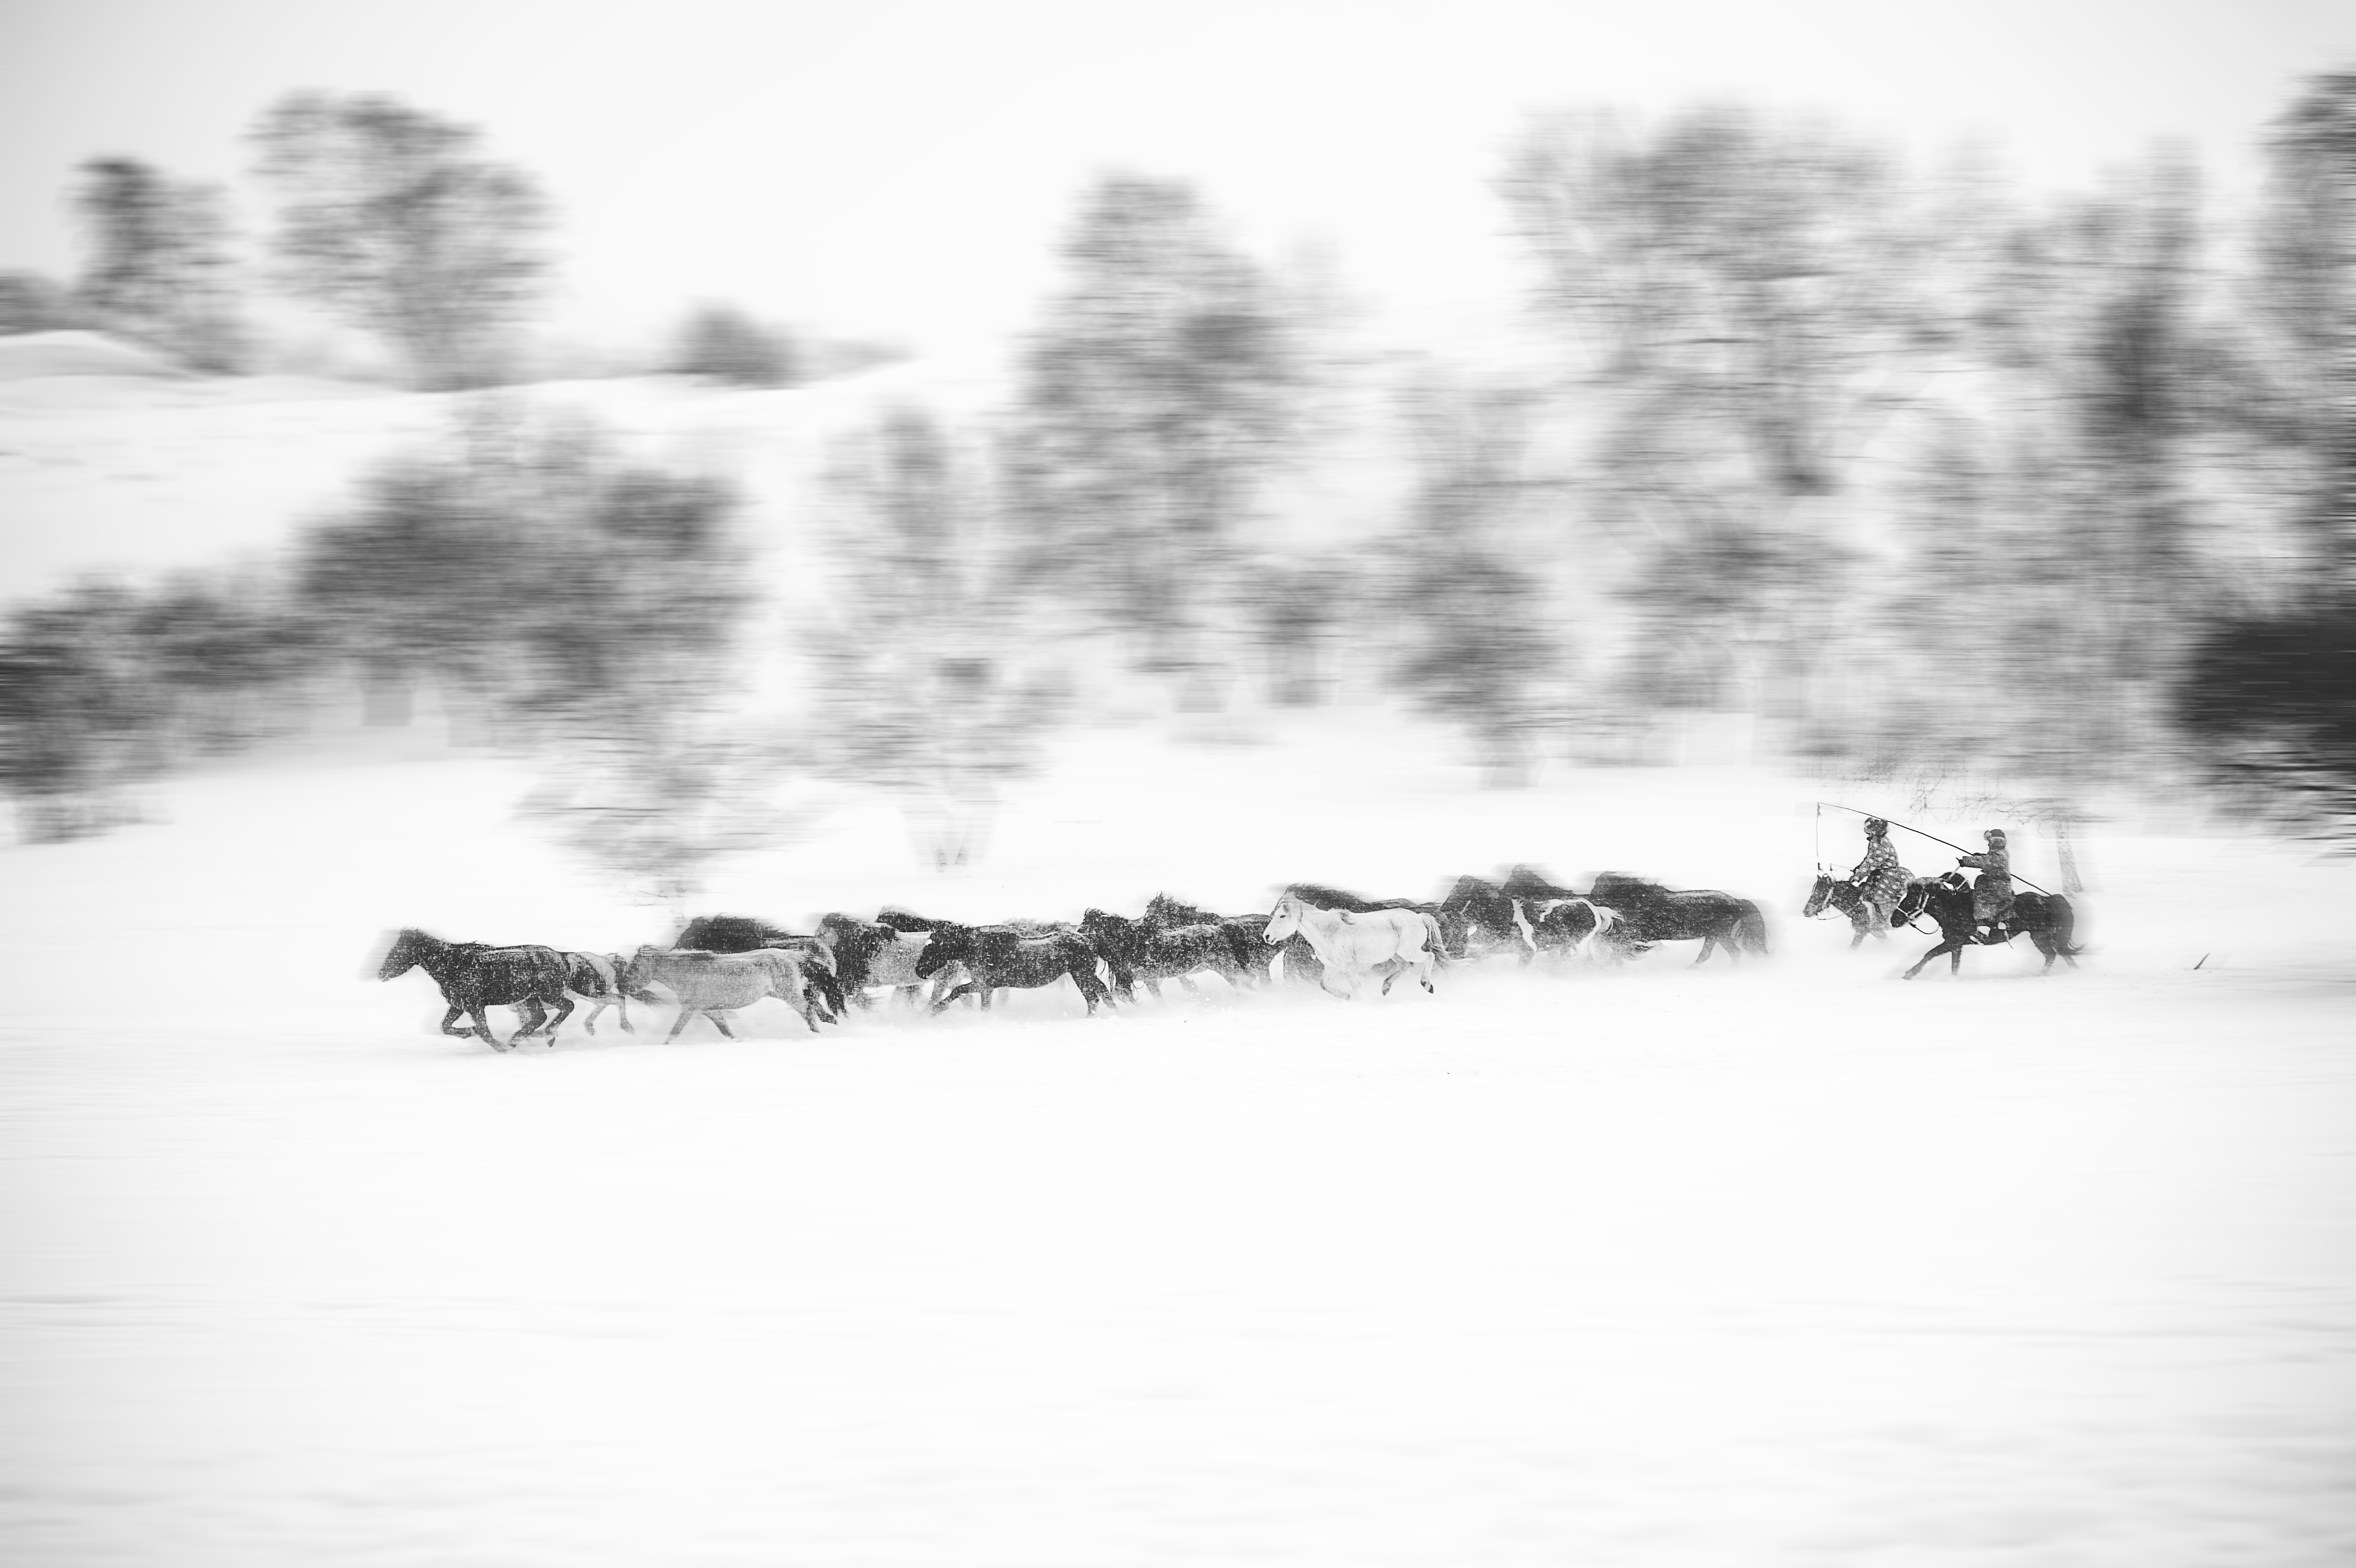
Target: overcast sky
(903, 167)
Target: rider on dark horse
(1879, 878)
(1992, 893)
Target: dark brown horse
(998, 957)
(1137, 952)
(474, 975)
(1651, 914)
(2045, 918)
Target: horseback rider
(1992, 893)
(1879, 878)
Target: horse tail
(2065, 927)
(1432, 930)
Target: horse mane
(1320, 896)
(1163, 909)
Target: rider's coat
(1878, 876)
(1992, 895)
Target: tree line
(1925, 471)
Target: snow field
(1788, 1263)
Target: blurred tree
(570, 603)
(1164, 385)
(1755, 298)
(2270, 691)
(32, 303)
(931, 682)
(2306, 295)
(725, 343)
(392, 218)
(523, 568)
(79, 718)
(159, 266)
(1476, 642)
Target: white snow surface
(1788, 1263)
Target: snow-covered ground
(1792, 1263)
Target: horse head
(948, 942)
(408, 950)
(1819, 895)
(1285, 921)
(640, 968)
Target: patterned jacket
(1879, 876)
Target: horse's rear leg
(563, 1011)
(679, 1023)
(534, 1016)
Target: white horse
(1389, 943)
(717, 983)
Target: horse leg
(563, 1011)
(476, 1011)
(719, 1017)
(685, 1013)
(1092, 989)
(1708, 944)
(452, 1017)
(1947, 944)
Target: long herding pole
(1916, 831)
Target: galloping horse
(717, 983)
(1832, 892)
(1490, 915)
(998, 957)
(1649, 913)
(868, 954)
(1354, 945)
(2046, 918)
(595, 978)
(1566, 925)
(474, 976)
(748, 933)
(1134, 951)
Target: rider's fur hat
(1996, 834)
(1875, 827)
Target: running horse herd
(719, 963)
